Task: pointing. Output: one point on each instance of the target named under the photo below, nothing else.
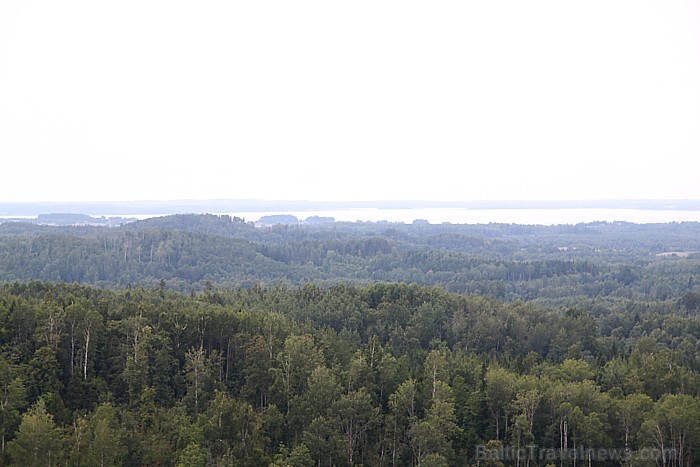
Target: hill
(600, 263)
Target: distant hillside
(552, 264)
(72, 219)
(225, 226)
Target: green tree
(672, 428)
(258, 371)
(43, 373)
(355, 414)
(135, 373)
(654, 371)
(500, 394)
(104, 445)
(434, 433)
(200, 373)
(402, 404)
(631, 411)
(234, 429)
(527, 399)
(324, 441)
(297, 360)
(83, 325)
(12, 400)
(435, 369)
(38, 441)
(297, 457)
(322, 392)
(192, 456)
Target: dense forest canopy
(387, 374)
(596, 263)
(203, 340)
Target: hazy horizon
(458, 212)
(574, 202)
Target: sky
(349, 100)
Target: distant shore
(416, 215)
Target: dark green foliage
(386, 374)
(602, 264)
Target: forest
(203, 340)
(600, 264)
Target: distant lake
(550, 216)
(485, 216)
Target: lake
(485, 216)
(547, 216)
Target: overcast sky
(349, 100)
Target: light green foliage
(233, 428)
(433, 434)
(631, 412)
(104, 443)
(297, 457)
(296, 361)
(38, 441)
(500, 394)
(354, 414)
(201, 373)
(192, 456)
(322, 392)
(673, 426)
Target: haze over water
(485, 216)
(536, 213)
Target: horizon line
(355, 201)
